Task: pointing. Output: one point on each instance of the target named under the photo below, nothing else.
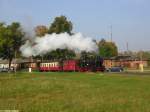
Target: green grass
(75, 92)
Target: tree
(107, 49)
(60, 25)
(41, 30)
(144, 55)
(2, 34)
(60, 54)
(85, 54)
(12, 40)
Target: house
(19, 63)
(125, 61)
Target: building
(125, 61)
(19, 63)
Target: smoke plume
(47, 43)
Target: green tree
(85, 54)
(60, 54)
(2, 34)
(12, 40)
(144, 55)
(107, 49)
(60, 25)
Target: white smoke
(42, 45)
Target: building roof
(125, 58)
(17, 61)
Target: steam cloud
(47, 43)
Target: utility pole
(127, 47)
(111, 33)
(141, 56)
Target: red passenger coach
(70, 65)
(50, 66)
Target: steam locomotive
(84, 64)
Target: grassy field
(75, 92)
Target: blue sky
(130, 19)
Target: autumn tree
(41, 30)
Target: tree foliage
(107, 49)
(60, 54)
(41, 30)
(144, 54)
(60, 25)
(2, 34)
(11, 40)
(85, 54)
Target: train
(92, 64)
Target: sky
(130, 19)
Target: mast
(111, 33)
(127, 47)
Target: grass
(75, 92)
